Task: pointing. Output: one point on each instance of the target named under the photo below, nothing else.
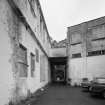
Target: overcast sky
(60, 14)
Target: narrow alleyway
(65, 95)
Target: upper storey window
(75, 38)
(41, 23)
(44, 33)
(98, 44)
(98, 32)
(32, 7)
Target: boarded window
(32, 64)
(98, 43)
(76, 37)
(77, 55)
(37, 55)
(22, 61)
(42, 68)
(98, 32)
(76, 48)
(41, 24)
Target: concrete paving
(66, 95)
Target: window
(76, 37)
(37, 55)
(42, 68)
(41, 23)
(103, 52)
(22, 61)
(32, 64)
(77, 55)
(96, 53)
(44, 34)
(32, 7)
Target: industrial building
(86, 50)
(29, 59)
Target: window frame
(32, 64)
(22, 61)
(76, 55)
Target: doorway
(58, 70)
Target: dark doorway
(58, 70)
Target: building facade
(86, 50)
(25, 47)
(27, 51)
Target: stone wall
(16, 82)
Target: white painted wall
(6, 77)
(96, 66)
(76, 70)
(86, 67)
(58, 52)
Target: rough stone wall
(13, 33)
(9, 30)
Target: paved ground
(65, 95)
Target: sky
(60, 14)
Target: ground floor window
(32, 64)
(77, 55)
(42, 68)
(22, 61)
